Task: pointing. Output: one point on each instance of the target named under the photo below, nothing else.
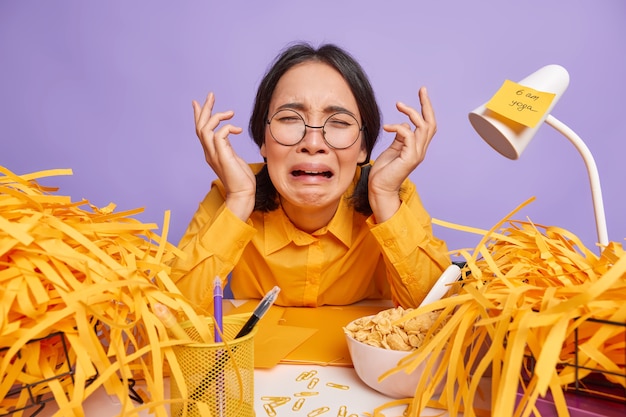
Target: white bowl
(371, 362)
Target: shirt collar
(279, 231)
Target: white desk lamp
(510, 138)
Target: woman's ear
(363, 156)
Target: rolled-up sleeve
(415, 258)
(212, 244)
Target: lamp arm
(592, 171)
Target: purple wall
(106, 89)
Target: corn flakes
(379, 331)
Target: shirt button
(389, 242)
(410, 279)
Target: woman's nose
(313, 140)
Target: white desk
(280, 381)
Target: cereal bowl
(370, 362)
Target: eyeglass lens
(340, 130)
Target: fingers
(412, 142)
(217, 147)
(425, 122)
(424, 119)
(427, 108)
(403, 129)
(204, 119)
(204, 112)
(214, 141)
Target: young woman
(317, 218)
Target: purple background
(106, 89)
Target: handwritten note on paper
(521, 104)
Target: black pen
(259, 312)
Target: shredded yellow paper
(77, 288)
(531, 291)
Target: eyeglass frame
(361, 128)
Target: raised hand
(235, 173)
(406, 152)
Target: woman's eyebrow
(328, 109)
(291, 106)
(338, 109)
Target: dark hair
(353, 73)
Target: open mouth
(325, 174)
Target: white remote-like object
(451, 274)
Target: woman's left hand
(406, 152)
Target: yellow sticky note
(521, 104)
(273, 341)
(327, 346)
(304, 335)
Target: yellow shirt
(349, 260)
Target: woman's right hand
(235, 173)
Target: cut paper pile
(92, 276)
(532, 290)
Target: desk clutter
(83, 292)
(327, 391)
(309, 383)
(302, 335)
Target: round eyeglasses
(340, 130)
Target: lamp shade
(508, 137)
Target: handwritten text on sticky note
(521, 104)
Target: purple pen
(218, 294)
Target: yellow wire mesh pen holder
(218, 377)
(33, 392)
(593, 380)
(600, 382)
